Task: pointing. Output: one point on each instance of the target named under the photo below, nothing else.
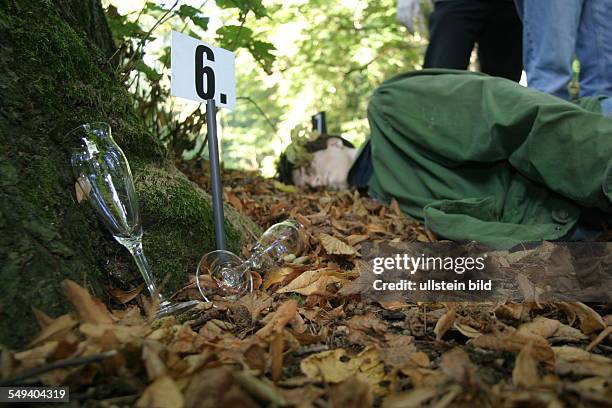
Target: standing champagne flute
(104, 178)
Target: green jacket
(485, 159)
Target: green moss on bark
(54, 78)
(181, 231)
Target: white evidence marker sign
(201, 71)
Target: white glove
(407, 12)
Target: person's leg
(594, 48)
(606, 107)
(500, 44)
(550, 28)
(453, 27)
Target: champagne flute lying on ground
(225, 274)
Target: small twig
(361, 67)
(261, 111)
(126, 400)
(602, 336)
(69, 362)
(114, 54)
(424, 319)
(242, 21)
(136, 22)
(135, 79)
(259, 389)
(304, 351)
(148, 34)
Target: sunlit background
(330, 55)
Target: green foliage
(294, 58)
(261, 51)
(121, 27)
(194, 15)
(330, 56)
(245, 6)
(150, 73)
(345, 54)
(146, 72)
(232, 37)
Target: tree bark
(54, 75)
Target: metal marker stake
(215, 174)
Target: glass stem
(138, 254)
(257, 259)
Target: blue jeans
(556, 30)
(606, 107)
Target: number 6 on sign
(201, 71)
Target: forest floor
(306, 338)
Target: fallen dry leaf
(514, 342)
(55, 329)
(89, 308)
(42, 318)
(124, 334)
(360, 326)
(333, 246)
(156, 368)
(256, 302)
(7, 363)
(513, 310)
(279, 320)
(183, 340)
(354, 393)
(123, 296)
(260, 389)
(466, 330)
(540, 326)
(367, 322)
(37, 355)
(302, 396)
(392, 304)
(525, 373)
(576, 355)
(590, 320)
(276, 276)
(413, 399)
(566, 333)
(162, 393)
(335, 366)
(400, 351)
(444, 323)
(356, 239)
(277, 346)
(456, 364)
(312, 282)
(82, 189)
(216, 387)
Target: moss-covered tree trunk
(56, 73)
